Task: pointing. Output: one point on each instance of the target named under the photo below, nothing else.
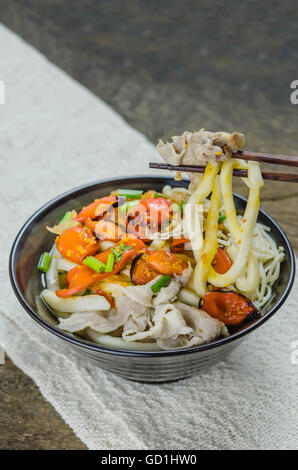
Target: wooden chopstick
(267, 175)
(288, 160)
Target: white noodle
(269, 257)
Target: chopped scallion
(130, 193)
(44, 262)
(160, 195)
(67, 216)
(119, 250)
(129, 205)
(163, 281)
(110, 263)
(94, 264)
(221, 217)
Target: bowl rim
(92, 346)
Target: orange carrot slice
(96, 209)
(81, 277)
(105, 230)
(221, 261)
(180, 244)
(76, 243)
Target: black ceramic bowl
(156, 366)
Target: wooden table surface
(165, 67)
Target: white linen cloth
(55, 135)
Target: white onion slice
(52, 276)
(104, 245)
(64, 264)
(75, 304)
(188, 297)
(119, 343)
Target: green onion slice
(130, 193)
(110, 263)
(163, 281)
(94, 264)
(67, 216)
(221, 217)
(129, 205)
(44, 262)
(119, 250)
(160, 195)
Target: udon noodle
(148, 270)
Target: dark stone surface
(171, 65)
(165, 66)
